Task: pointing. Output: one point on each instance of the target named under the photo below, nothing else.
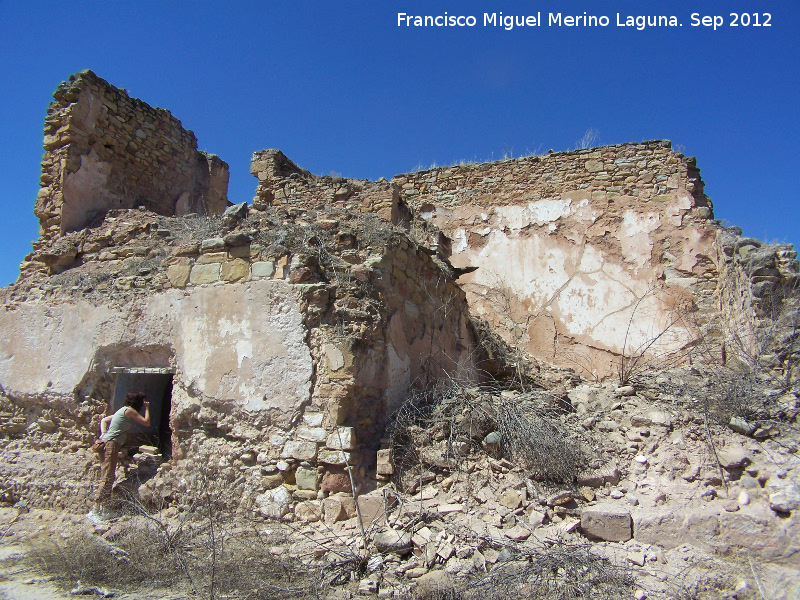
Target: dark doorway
(157, 384)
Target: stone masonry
(292, 329)
(106, 150)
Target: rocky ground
(667, 503)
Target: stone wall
(759, 307)
(291, 339)
(281, 182)
(580, 256)
(105, 150)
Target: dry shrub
(533, 436)
(437, 426)
(204, 552)
(559, 572)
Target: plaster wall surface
(242, 343)
(581, 255)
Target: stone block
(312, 434)
(212, 257)
(282, 267)
(607, 523)
(239, 252)
(308, 511)
(178, 275)
(238, 240)
(384, 463)
(204, 274)
(262, 269)
(594, 166)
(335, 479)
(235, 270)
(332, 510)
(344, 438)
(300, 450)
(313, 419)
(212, 244)
(270, 482)
(339, 408)
(306, 478)
(333, 457)
(372, 509)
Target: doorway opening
(156, 382)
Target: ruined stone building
(276, 339)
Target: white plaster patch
(534, 266)
(635, 236)
(244, 349)
(592, 259)
(218, 328)
(583, 211)
(539, 213)
(587, 299)
(459, 243)
(50, 349)
(334, 356)
(547, 211)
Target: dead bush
(563, 571)
(437, 426)
(205, 551)
(500, 360)
(533, 436)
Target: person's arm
(104, 423)
(137, 418)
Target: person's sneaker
(96, 517)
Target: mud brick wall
(105, 150)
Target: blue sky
(340, 88)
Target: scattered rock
(517, 533)
(308, 511)
(637, 557)
(606, 523)
(510, 499)
(739, 425)
(732, 457)
(559, 498)
(369, 586)
(274, 503)
(435, 584)
(786, 499)
(393, 540)
(235, 212)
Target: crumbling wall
(292, 336)
(282, 182)
(759, 304)
(573, 257)
(105, 150)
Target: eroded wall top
(105, 150)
